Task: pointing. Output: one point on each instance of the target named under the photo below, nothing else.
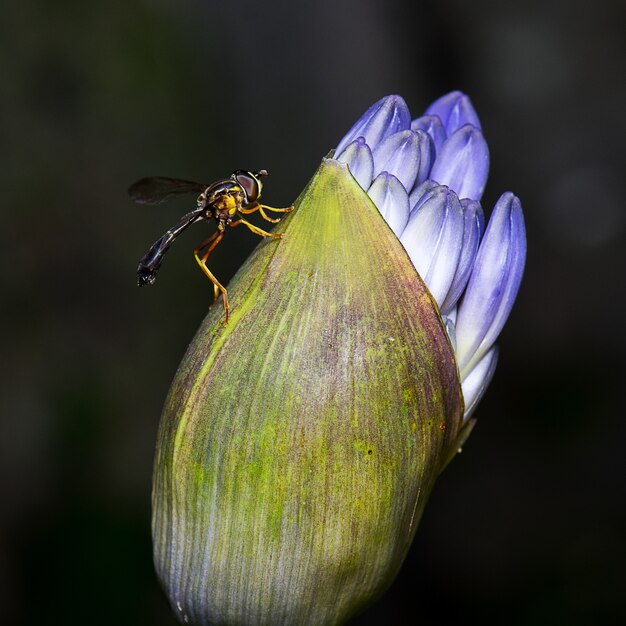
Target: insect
(225, 201)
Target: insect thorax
(224, 199)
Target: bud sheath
(298, 444)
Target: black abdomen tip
(145, 276)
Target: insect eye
(249, 184)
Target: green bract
(299, 444)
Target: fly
(225, 202)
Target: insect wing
(159, 188)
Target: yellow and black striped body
(222, 200)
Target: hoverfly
(225, 201)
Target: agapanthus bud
(474, 225)
(454, 110)
(432, 125)
(299, 443)
(420, 193)
(408, 154)
(358, 157)
(476, 382)
(386, 117)
(434, 240)
(463, 163)
(392, 200)
(465, 286)
(493, 284)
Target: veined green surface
(299, 444)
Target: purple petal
(474, 224)
(387, 116)
(454, 110)
(476, 382)
(450, 327)
(473, 208)
(463, 163)
(408, 155)
(452, 316)
(419, 193)
(359, 160)
(392, 200)
(432, 125)
(493, 283)
(433, 239)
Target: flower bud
(358, 157)
(384, 118)
(432, 125)
(392, 200)
(493, 283)
(463, 163)
(434, 240)
(454, 110)
(408, 154)
(474, 225)
(299, 444)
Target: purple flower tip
(392, 200)
(476, 383)
(358, 157)
(420, 193)
(408, 155)
(474, 220)
(432, 125)
(493, 283)
(426, 177)
(387, 116)
(433, 239)
(454, 110)
(463, 163)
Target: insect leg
(256, 229)
(263, 207)
(205, 256)
(266, 218)
(248, 210)
(216, 285)
(212, 242)
(259, 208)
(289, 209)
(205, 243)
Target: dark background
(526, 527)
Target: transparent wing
(159, 188)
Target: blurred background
(526, 527)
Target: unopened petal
(432, 125)
(358, 157)
(392, 200)
(463, 163)
(454, 110)
(408, 155)
(419, 193)
(452, 316)
(433, 239)
(493, 283)
(385, 117)
(474, 225)
(476, 382)
(450, 326)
